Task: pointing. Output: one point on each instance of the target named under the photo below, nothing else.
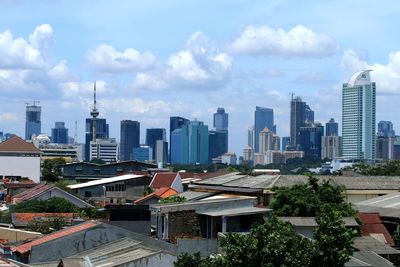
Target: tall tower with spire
(94, 113)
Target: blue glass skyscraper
(221, 120)
(59, 134)
(175, 123)
(102, 132)
(152, 136)
(331, 128)
(33, 123)
(130, 138)
(263, 117)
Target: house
(23, 219)
(86, 171)
(369, 250)
(205, 218)
(305, 225)
(373, 226)
(123, 252)
(118, 189)
(154, 197)
(167, 180)
(14, 188)
(19, 159)
(46, 191)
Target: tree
(51, 169)
(332, 239)
(307, 199)
(46, 225)
(51, 205)
(173, 199)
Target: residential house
(167, 180)
(19, 159)
(118, 189)
(46, 191)
(155, 196)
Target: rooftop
(160, 193)
(33, 192)
(163, 179)
(103, 181)
(17, 144)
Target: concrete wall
(183, 224)
(21, 166)
(158, 260)
(16, 234)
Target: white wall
(21, 166)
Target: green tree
(173, 199)
(333, 240)
(51, 205)
(47, 225)
(307, 199)
(51, 169)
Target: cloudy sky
(155, 59)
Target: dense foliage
(51, 205)
(51, 169)
(307, 199)
(276, 243)
(387, 168)
(173, 199)
(47, 225)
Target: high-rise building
(285, 142)
(331, 146)
(180, 146)
(263, 117)
(102, 132)
(142, 153)
(358, 117)
(310, 139)
(130, 138)
(33, 124)
(385, 129)
(161, 151)
(59, 134)
(175, 123)
(104, 149)
(265, 141)
(250, 137)
(217, 143)
(301, 115)
(152, 136)
(220, 120)
(331, 128)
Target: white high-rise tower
(359, 116)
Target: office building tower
(102, 132)
(358, 117)
(33, 124)
(59, 134)
(180, 146)
(221, 120)
(104, 149)
(263, 117)
(130, 138)
(152, 136)
(175, 123)
(301, 115)
(265, 141)
(161, 151)
(310, 139)
(285, 142)
(250, 137)
(217, 143)
(331, 146)
(331, 128)
(142, 153)
(385, 129)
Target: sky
(156, 59)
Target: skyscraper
(59, 134)
(250, 137)
(331, 128)
(130, 138)
(198, 142)
(220, 120)
(175, 123)
(301, 115)
(33, 124)
(180, 145)
(385, 129)
(102, 132)
(310, 139)
(358, 117)
(152, 136)
(217, 144)
(263, 117)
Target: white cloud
(106, 58)
(137, 106)
(199, 65)
(42, 37)
(7, 116)
(386, 76)
(299, 41)
(73, 89)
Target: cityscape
(199, 134)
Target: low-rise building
(167, 180)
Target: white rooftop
(106, 181)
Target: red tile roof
(65, 232)
(28, 217)
(160, 193)
(372, 224)
(163, 179)
(32, 192)
(17, 144)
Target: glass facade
(33, 123)
(59, 134)
(263, 117)
(102, 132)
(152, 136)
(130, 138)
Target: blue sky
(155, 59)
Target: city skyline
(205, 64)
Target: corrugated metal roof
(32, 192)
(310, 221)
(371, 258)
(372, 224)
(235, 211)
(386, 201)
(106, 181)
(195, 195)
(65, 232)
(368, 243)
(226, 188)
